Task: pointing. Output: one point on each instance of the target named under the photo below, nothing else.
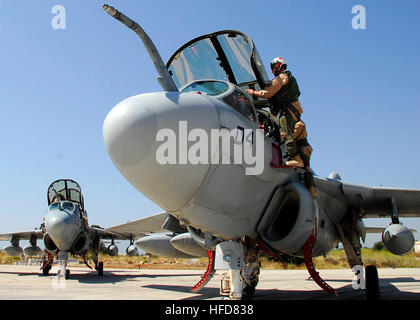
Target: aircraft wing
(407, 202)
(381, 230)
(374, 202)
(139, 227)
(25, 235)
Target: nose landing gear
(372, 283)
(100, 268)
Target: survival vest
(286, 95)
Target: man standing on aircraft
(300, 136)
(284, 95)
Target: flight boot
(296, 161)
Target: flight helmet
(277, 64)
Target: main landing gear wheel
(100, 268)
(372, 283)
(46, 271)
(67, 275)
(251, 271)
(248, 292)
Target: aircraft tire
(372, 283)
(100, 268)
(67, 276)
(248, 292)
(46, 271)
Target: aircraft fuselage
(219, 199)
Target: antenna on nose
(165, 80)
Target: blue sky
(360, 91)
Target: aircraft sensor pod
(131, 250)
(186, 244)
(32, 250)
(112, 250)
(12, 250)
(398, 239)
(160, 245)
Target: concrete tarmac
(27, 283)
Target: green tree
(378, 246)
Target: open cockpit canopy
(226, 55)
(67, 190)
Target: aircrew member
(284, 96)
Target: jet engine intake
(49, 244)
(81, 243)
(398, 239)
(289, 219)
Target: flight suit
(300, 136)
(284, 96)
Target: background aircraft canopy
(225, 55)
(70, 190)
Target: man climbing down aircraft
(300, 136)
(284, 96)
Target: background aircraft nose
(130, 131)
(62, 228)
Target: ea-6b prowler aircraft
(65, 230)
(224, 209)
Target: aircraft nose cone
(56, 223)
(131, 131)
(60, 225)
